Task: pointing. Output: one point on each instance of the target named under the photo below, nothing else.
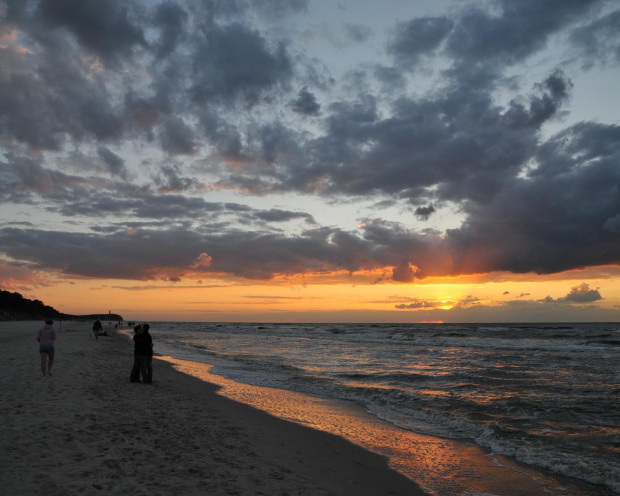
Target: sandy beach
(87, 430)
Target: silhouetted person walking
(46, 338)
(144, 348)
(97, 328)
(135, 371)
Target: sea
(462, 409)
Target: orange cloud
(203, 260)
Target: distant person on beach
(135, 371)
(97, 328)
(46, 338)
(144, 345)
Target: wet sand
(87, 430)
(441, 466)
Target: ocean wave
(506, 388)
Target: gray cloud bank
(206, 91)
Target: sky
(312, 161)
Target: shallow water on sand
(444, 402)
(440, 466)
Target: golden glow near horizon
(355, 298)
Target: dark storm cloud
(104, 28)
(613, 224)
(59, 92)
(106, 202)
(305, 103)
(269, 145)
(57, 102)
(554, 91)
(577, 294)
(115, 164)
(234, 62)
(277, 215)
(171, 19)
(417, 304)
(170, 180)
(224, 136)
(519, 29)
(418, 37)
(557, 218)
(582, 294)
(199, 83)
(462, 143)
(392, 79)
(424, 213)
(177, 138)
(173, 253)
(27, 180)
(513, 311)
(118, 256)
(598, 41)
(145, 206)
(225, 62)
(148, 253)
(278, 8)
(141, 113)
(21, 174)
(412, 255)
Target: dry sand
(87, 430)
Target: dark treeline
(13, 306)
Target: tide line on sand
(87, 430)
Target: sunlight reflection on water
(440, 466)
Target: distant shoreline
(14, 307)
(25, 318)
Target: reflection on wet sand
(440, 466)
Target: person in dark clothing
(97, 328)
(144, 345)
(135, 371)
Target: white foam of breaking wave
(382, 367)
(604, 471)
